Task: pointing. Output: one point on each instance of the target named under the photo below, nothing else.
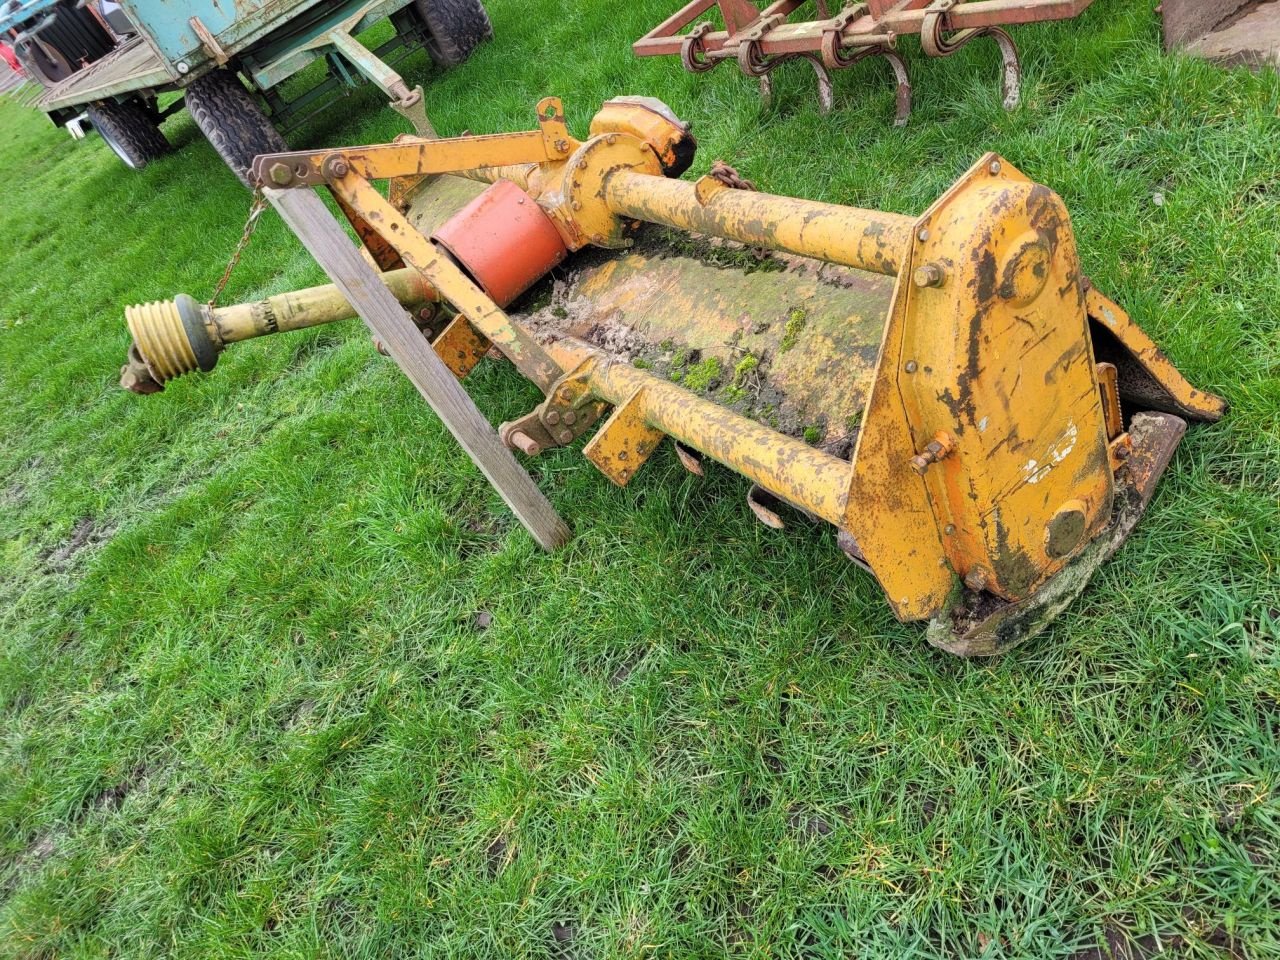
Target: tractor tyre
(455, 28)
(130, 130)
(231, 121)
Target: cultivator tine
(1011, 74)
(902, 92)
(936, 44)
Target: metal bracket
(693, 49)
(568, 412)
(556, 137)
(625, 441)
(418, 156)
(461, 346)
(209, 41)
(414, 109)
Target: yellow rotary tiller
(980, 425)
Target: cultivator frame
(761, 40)
(992, 470)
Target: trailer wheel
(230, 119)
(456, 28)
(130, 130)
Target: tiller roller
(982, 427)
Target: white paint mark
(982, 424)
(1034, 471)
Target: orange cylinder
(504, 240)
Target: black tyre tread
(456, 28)
(132, 127)
(231, 121)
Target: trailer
(110, 64)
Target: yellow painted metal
(997, 356)
(1147, 375)
(461, 346)
(516, 343)
(803, 475)
(796, 339)
(625, 442)
(582, 217)
(306, 308)
(866, 239)
(166, 343)
(419, 156)
(988, 447)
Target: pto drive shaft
(180, 335)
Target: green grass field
(280, 674)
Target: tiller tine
(980, 425)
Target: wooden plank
(324, 237)
(131, 66)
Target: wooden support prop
(324, 237)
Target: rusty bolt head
(565, 436)
(930, 275)
(562, 145)
(336, 167)
(911, 366)
(552, 417)
(950, 529)
(280, 174)
(570, 417)
(994, 167)
(923, 235)
(976, 579)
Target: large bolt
(939, 448)
(930, 275)
(280, 174)
(976, 579)
(335, 168)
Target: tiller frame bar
(992, 471)
(761, 40)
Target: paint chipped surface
(1034, 471)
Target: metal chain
(730, 177)
(256, 206)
